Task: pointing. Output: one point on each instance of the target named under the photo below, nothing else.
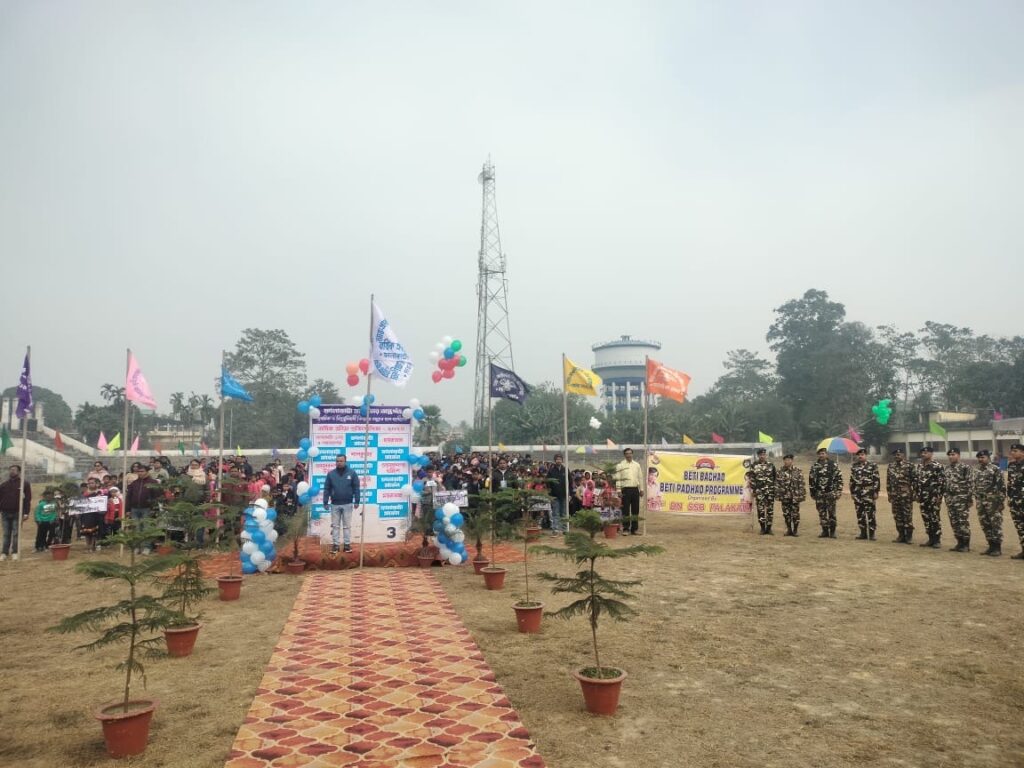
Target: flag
(101, 444)
(24, 390)
(388, 357)
(763, 438)
(273, 452)
(230, 386)
(664, 441)
(5, 440)
(581, 449)
(854, 434)
(181, 447)
(508, 385)
(666, 381)
(238, 450)
(687, 440)
(501, 446)
(608, 443)
(717, 438)
(135, 445)
(114, 444)
(936, 429)
(58, 443)
(136, 388)
(206, 448)
(997, 415)
(579, 381)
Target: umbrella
(838, 445)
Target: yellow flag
(763, 438)
(687, 440)
(114, 444)
(501, 446)
(238, 450)
(579, 381)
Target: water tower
(620, 364)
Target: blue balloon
(418, 486)
(271, 514)
(304, 443)
(251, 525)
(248, 567)
(418, 414)
(370, 398)
(439, 513)
(457, 520)
(315, 401)
(258, 537)
(304, 499)
(302, 455)
(449, 353)
(364, 410)
(438, 526)
(303, 406)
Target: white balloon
(302, 488)
(414, 403)
(261, 503)
(435, 355)
(259, 514)
(407, 413)
(357, 401)
(450, 529)
(246, 536)
(440, 347)
(455, 558)
(416, 451)
(407, 490)
(266, 526)
(415, 498)
(458, 536)
(257, 557)
(313, 452)
(314, 412)
(447, 340)
(271, 535)
(249, 547)
(451, 508)
(264, 566)
(444, 551)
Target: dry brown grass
(50, 691)
(752, 651)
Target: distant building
(620, 364)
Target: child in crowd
(46, 518)
(115, 506)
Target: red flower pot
(126, 733)
(479, 562)
(494, 577)
(528, 617)
(295, 567)
(425, 561)
(533, 533)
(611, 530)
(165, 549)
(601, 695)
(181, 640)
(60, 551)
(230, 587)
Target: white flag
(387, 355)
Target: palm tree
(177, 406)
(112, 394)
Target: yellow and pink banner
(696, 484)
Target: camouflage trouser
(930, 509)
(865, 513)
(991, 518)
(1017, 515)
(903, 513)
(959, 520)
(765, 509)
(791, 512)
(826, 511)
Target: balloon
(449, 373)
(406, 489)
(459, 536)
(449, 529)
(364, 410)
(245, 535)
(313, 452)
(271, 514)
(248, 568)
(304, 499)
(305, 443)
(303, 406)
(407, 413)
(449, 353)
(251, 525)
(257, 557)
(272, 536)
(446, 340)
(457, 520)
(450, 509)
(302, 488)
(370, 399)
(455, 558)
(301, 455)
(444, 363)
(435, 355)
(259, 536)
(439, 513)
(456, 345)
(418, 414)
(259, 515)
(353, 379)
(439, 346)
(260, 503)
(263, 567)
(357, 401)
(414, 403)
(418, 486)
(314, 412)
(364, 365)
(462, 361)
(315, 401)
(352, 369)
(436, 376)
(248, 548)
(438, 526)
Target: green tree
(431, 427)
(268, 358)
(56, 411)
(539, 419)
(327, 390)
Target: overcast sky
(171, 173)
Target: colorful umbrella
(838, 445)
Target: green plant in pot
(422, 525)
(477, 526)
(298, 524)
(598, 596)
(226, 539)
(135, 621)
(528, 611)
(184, 589)
(503, 508)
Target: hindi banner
(696, 484)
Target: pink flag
(135, 445)
(136, 387)
(854, 434)
(101, 445)
(717, 438)
(997, 415)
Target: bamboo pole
(647, 466)
(21, 474)
(565, 446)
(366, 442)
(124, 447)
(220, 450)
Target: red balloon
(353, 379)
(364, 365)
(443, 363)
(436, 376)
(449, 373)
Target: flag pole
(220, 450)
(490, 461)
(21, 475)
(366, 441)
(565, 445)
(647, 463)
(124, 446)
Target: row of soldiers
(927, 483)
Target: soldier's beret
(760, 451)
(1017, 447)
(897, 450)
(982, 452)
(860, 451)
(926, 449)
(951, 451)
(788, 456)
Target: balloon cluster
(363, 403)
(450, 539)
(446, 355)
(354, 369)
(415, 488)
(304, 492)
(594, 423)
(882, 411)
(311, 406)
(414, 411)
(307, 450)
(258, 537)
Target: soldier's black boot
(902, 538)
(796, 528)
(789, 529)
(908, 537)
(995, 549)
(960, 547)
(824, 532)
(1018, 556)
(871, 535)
(863, 534)
(967, 543)
(762, 529)
(937, 544)
(930, 542)
(768, 530)
(832, 530)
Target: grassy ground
(755, 651)
(50, 691)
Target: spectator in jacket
(558, 483)
(341, 496)
(46, 517)
(140, 497)
(10, 490)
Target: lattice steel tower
(493, 337)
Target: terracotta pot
(295, 567)
(60, 551)
(425, 561)
(494, 577)
(310, 551)
(601, 696)
(126, 733)
(479, 562)
(533, 533)
(165, 549)
(528, 617)
(611, 530)
(181, 640)
(230, 587)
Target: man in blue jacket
(341, 496)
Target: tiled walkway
(374, 669)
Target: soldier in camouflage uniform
(989, 493)
(826, 483)
(958, 490)
(763, 475)
(930, 480)
(1015, 492)
(790, 490)
(899, 484)
(864, 486)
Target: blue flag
(506, 384)
(229, 387)
(24, 390)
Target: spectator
(9, 492)
(141, 495)
(46, 517)
(558, 486)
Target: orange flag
(666, 381)
(58, 443)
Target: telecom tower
(493, 337)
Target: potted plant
(477, 525)
(297, 527)
(230, 586)
(422, 525)
(528, 612)
(134, 621)
(601, 684)
(63, 497)
(502, 507)
(181, 592)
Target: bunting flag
(687, 440)
(58, 442)
(853, 433)
(579, 381)
(238, 450)
(206, 448)
(585, 449)
(666, 381)
(664, 441)
(997, 415)
(609, 443)
(501, 446)
(181, 447)
(101, 444)
(388, 357)
(24, 390)
(763, 438)
(5, 440)
(136, 388)
(231, 387)
(936, 429)
(507, 384)
(717, 438)
(135, 445)
(114, 444)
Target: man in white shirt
(629, 480)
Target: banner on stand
(382, 463)
(695, 484)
